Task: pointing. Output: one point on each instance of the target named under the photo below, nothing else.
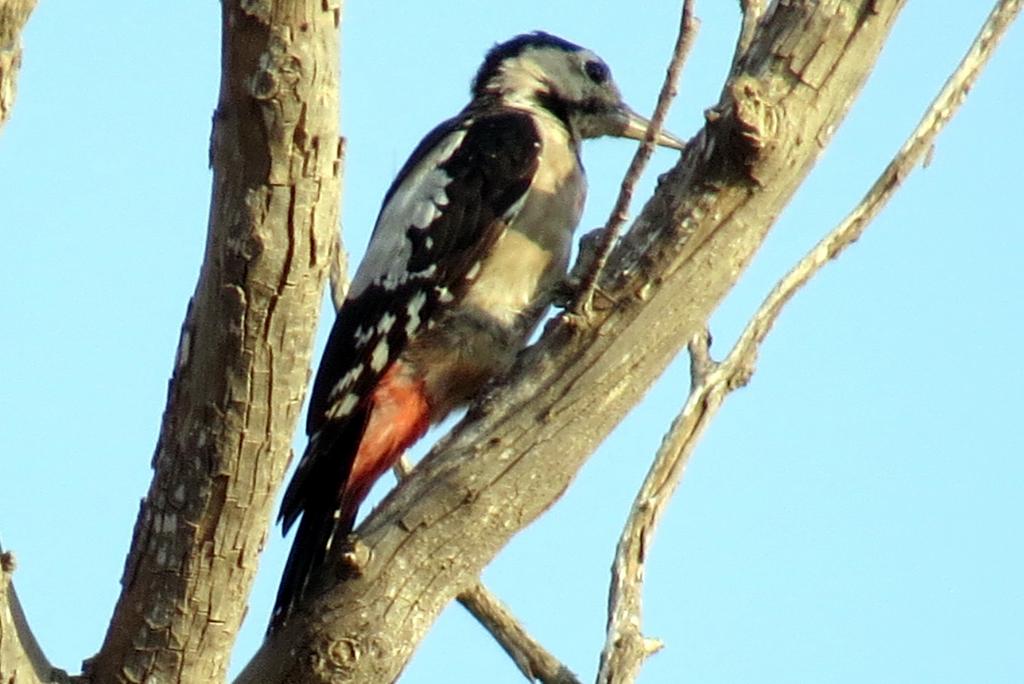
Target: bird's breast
(510, 288)
(515, 279)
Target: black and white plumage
(471, 240)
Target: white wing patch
(380, 355)
(387, 321)
(415, 304)
(363, 335)
(346, 381)
(416, 203)
(425, 212)
(344, 407)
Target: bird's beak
(635, 127)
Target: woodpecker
(472, 239)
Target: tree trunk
(243, 358)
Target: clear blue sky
(853, 515)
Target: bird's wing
(446, 208)
(449, 204)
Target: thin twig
(530, 657)
(752, 10)
(914, 150)
(625, 647)
(339, 257)
(535, 662)
(620, 212)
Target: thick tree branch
(626, 648)
(517, 451)
(243, 357)
(13, 15)
(533, 660)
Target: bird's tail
(316, 493)
(317, 532)
(336, 472)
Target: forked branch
(626, 648)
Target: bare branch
(916, 149)
(752, 10)
(688, 26)
(243, 358)
(626, 648)
(532, 659)
(13, 15)
(339, 274)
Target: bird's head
(544, 72)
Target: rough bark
(243, 357)
(518, 450)
(13, 15)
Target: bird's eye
(597, 71)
